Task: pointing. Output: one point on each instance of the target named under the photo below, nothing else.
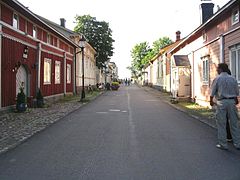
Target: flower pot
(21, 107)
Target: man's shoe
(219, 146)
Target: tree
(142, 53)
(98, 34)
(138, 54)
(161, 43)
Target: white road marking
(102, 112)
(114, 110)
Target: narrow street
(127, 134)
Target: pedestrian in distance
(225, 90)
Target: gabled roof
(166, 49)
(29, 14)
(202, 26)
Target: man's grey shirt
(224, 86)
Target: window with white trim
(235, 62)
(205, 69)
(34, 31)
(68, 73)
(57, 72)
(47, 71)
(48, 38)
(235, 16)
(204, 36)
(15, 21)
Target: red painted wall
(22, 23)
(6, 15)
(9, 61)
(30, 28)
(51, 89)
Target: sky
(132, 21)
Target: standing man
(225, 90)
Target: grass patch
(88, 97)
(196, 109)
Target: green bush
(21, 97)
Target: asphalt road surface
(123, 135)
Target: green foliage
(39, 95)
(161, 43)
(115, 83)
(21, 97)
(138, 53)
(99, 36)
(142, 54)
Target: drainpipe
(221, 49)
(192, 79)
(38, 67)
(65, 73)
(0, 67)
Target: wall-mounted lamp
(17, 65)
(25, 52)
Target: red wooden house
(32, 55)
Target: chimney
(62, 22)
(178, 36)
(206, 10)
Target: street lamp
(82, 44)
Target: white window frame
(205, 69)
(48, 38)
(204, 36)
(47, 71)
(235, 72)
(57, 72)
(35, 31)
(69, 75)
(15, 21)
(235, 14)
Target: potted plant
(21, 105)
(115, 85)
(39, 98)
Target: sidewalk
(166, 98)
(15, 128)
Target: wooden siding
(6, 15)
(19, 36)
(230, 40)
(44, 36)
(30, 28)
(51, 89)
(39, 33)
(9, 61)
(22, 24)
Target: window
(48, 38)
(235, 16)
(235, 62)
(68, 73)
(15, 21)
(47, 71)
(57, 72)
(34, 31)
(204, 36)
(205, 72)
